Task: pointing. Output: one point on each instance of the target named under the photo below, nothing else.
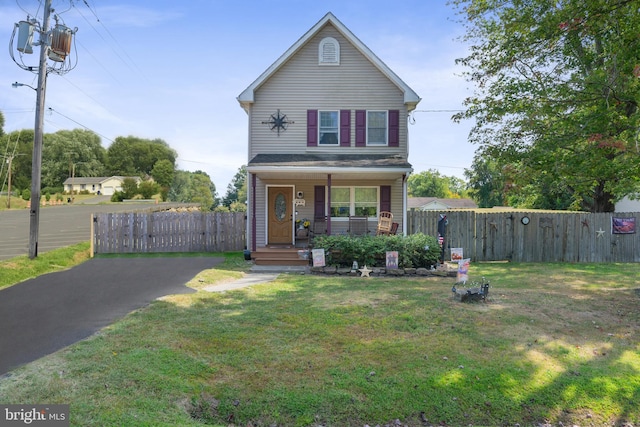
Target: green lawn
(554, 343)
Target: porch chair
(394, 228)
(358, 226)
(385, 221)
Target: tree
(147, 189)
(129, 188)
(18, 144)
(67, 153)
(193, 187)
(179, 190)
(1, 123)
(163, 172)
(557, 90)
(200, 191)
(431, 183)
(132, 156)
(237, 188)
(487, 182)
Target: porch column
(253, 212)
(329, 204)
(404, 204)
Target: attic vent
(329, 52)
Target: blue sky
(172, 70)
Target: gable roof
(411, 99)
(425, 202)
(96, 180)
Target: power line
(438, 111)
(131, 63)
(79, 124)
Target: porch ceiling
(319, 166)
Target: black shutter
(385, 198)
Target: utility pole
(36, 161)
(55, 45)
(10, 164)
(9, 161)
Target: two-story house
(328, 137)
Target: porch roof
(313, 165)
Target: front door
(280, 215)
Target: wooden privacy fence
(547, 237)
(148, 232)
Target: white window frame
(337, 128)
(386, 129)
(352, 202)
(325, 44)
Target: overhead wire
(86, 94)
(51, 110)
(102, 37)
(131, 63)
(27, 12)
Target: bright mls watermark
(34, 415)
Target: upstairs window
(328, 128)
(377, 128)
(329, 52)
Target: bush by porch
(414, 251)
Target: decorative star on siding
(278, 122)
(600, 232)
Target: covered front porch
(290, 195)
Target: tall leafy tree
(200, 191)
(195, 187)
(431, 183)
(163, 172)
(129, 156)
(557, 92)
(487, 182)
(66, 153)
(237, 188)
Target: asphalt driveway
(50, 312)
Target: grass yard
(555, 343)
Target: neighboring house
(97, 185)
(628, 205)
(328, 137)
(434, 203)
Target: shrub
(117, 196)
(147, 189)
(26, 194)
(416, 250)
(52, 190)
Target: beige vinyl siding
(301, 84)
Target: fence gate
(149, 232)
